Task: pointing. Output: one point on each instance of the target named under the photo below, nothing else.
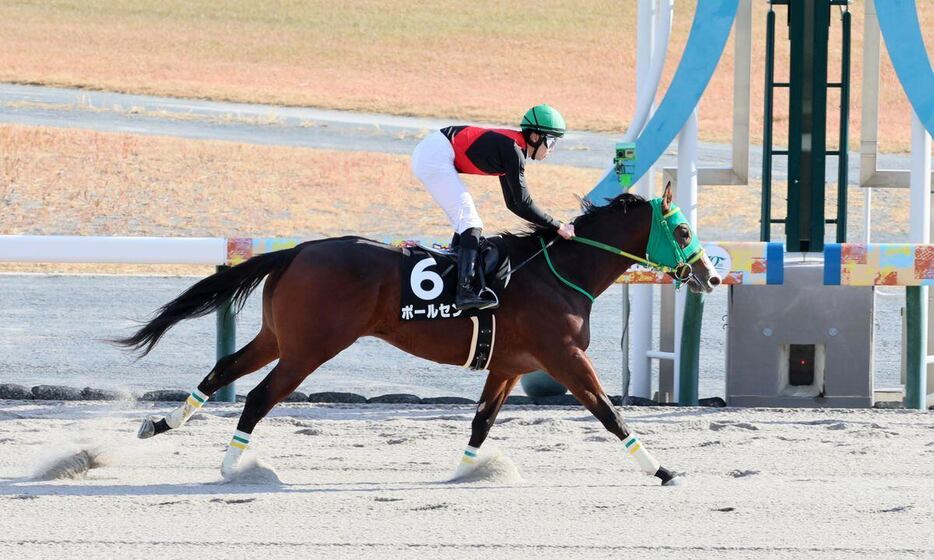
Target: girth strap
(482, 341)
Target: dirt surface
(372, 482)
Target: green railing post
(690, 349)
(226, 344)
(624, 344)
(765, 225)
(916, 317)
(843, 159)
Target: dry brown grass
(73, 182)
(483, 60)
(89, 183)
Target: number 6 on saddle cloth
(429, 286)
(429, 279)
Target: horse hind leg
(319, 311)
(257, 353)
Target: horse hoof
(147, 429)
(667, 477)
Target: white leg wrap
(638, 453)
(192, 404)
(468, 462)
(238, 444)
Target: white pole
(921, 221)
(686, 199)
(742, 70)
(920, 214)
(656, 20)
(869, 118)
(122, 250)
(640, 332)
(870, 112)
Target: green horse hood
(663, 249)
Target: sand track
(369, 482)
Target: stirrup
(478, 301)
(492, 304)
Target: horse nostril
(715, 281)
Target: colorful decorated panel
(738, 262)
(878, 264)
(240, 249)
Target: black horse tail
(233, 284)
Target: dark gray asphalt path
(311, 128)
(52, 331)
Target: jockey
(442, 155)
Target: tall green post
(765, 223)
(690, 349)
(807, 85)
(916, 317)
(842, 153)
(809, 26)
(226, 344)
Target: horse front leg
(279, 383)
(495, 391)
(575, 371)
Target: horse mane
(590, 212)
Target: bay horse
(323, 295)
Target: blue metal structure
(898, 21)
(713, 20)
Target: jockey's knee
(468, 218)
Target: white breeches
(433, 165)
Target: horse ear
(666, 198)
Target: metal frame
(870, 176)
(738, 171)
(672, 332)
(805, 220)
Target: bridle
(682, 269)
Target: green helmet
(543, 119)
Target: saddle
(493, 262)
(429, 278)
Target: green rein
(620, 252)
(598, 245)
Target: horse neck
(595, 269)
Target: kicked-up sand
(372, 481)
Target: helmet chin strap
(536, 145)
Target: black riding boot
(467, 293)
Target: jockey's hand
(566, 231)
